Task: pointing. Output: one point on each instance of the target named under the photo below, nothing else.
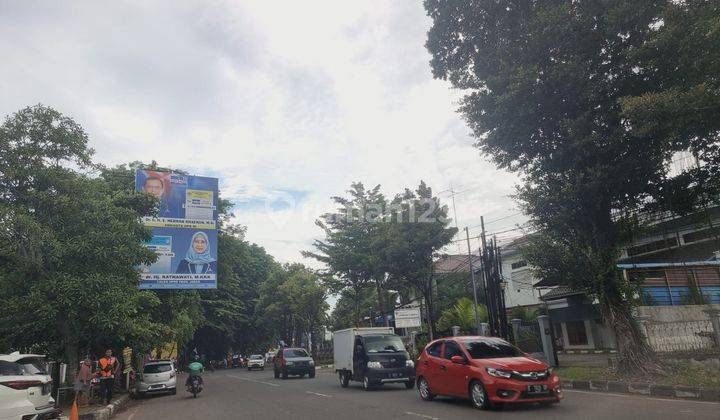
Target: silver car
(158, 376)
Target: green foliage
(586, 100)
(524, 313)
(462, 315)
(370, 242)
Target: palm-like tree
(462, 314)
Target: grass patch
(681, 373)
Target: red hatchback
(486, 370)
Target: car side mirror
(458, 360)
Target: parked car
(373, 356)
(25, 388)
(293, 361)
(256, 361)
(158, 376)
(485, 370)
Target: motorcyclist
(195, 369)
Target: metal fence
(527, 336)
(680, 336)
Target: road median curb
(105, 413)
(647, 389)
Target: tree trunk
(381, 304)
(635, 355)
(69, 346)
(427, 294)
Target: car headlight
(311, 363)
(409, 363)
(498, 373)
(374, 365)
(289, 363)
(549, 371)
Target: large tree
(70, 244)
(545, 84)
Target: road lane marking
(252, 380)
(425, 416)
(318, 394)
(638, 396)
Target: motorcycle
(195, 385)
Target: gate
(527, 337)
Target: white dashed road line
(252, 380)
(318, 394)
(425, 416)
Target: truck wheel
(344, 379)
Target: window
(383, 344)
(434, 350)
(519, 264)
(32, 366)
(577, 335)
(652, 247)
(157, 368)
(10, 368)
(256, 357)
(452, 349)
(698, 235)
(295, 353)
(491, 348)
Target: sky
(287, 103)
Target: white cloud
(273, 97)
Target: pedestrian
(82, 382)
(107, 368)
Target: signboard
(407, 318)
(184, 231)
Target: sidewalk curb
(108, 411)
(646, 389)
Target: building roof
(559, 293)
(447, 264)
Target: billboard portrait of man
(158, 185)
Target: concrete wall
(519, 290)
(680, 313)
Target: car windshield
(10, 368)
(157, 368)
(295, 353)
(32, 366)
(383, 344)
(256, 357)
(491, 349)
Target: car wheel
(284, 374)
(367, 386)
(344, 379)
(424, 390)
(478, 396)
(311, 374)
(302, 375)
(262, 368)
(410, 384)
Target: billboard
(184, 231)
(407, 318)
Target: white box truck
(373, 356)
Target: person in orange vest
(107, 368)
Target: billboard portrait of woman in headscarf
(198, 259)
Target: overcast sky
(286, 102)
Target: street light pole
(472, 276)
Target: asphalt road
(236, 393)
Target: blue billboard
(184, 230)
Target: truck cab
(373, 356)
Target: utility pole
(494, 295)
(472, 276)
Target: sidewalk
(99, 412)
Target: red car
(485, 370)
